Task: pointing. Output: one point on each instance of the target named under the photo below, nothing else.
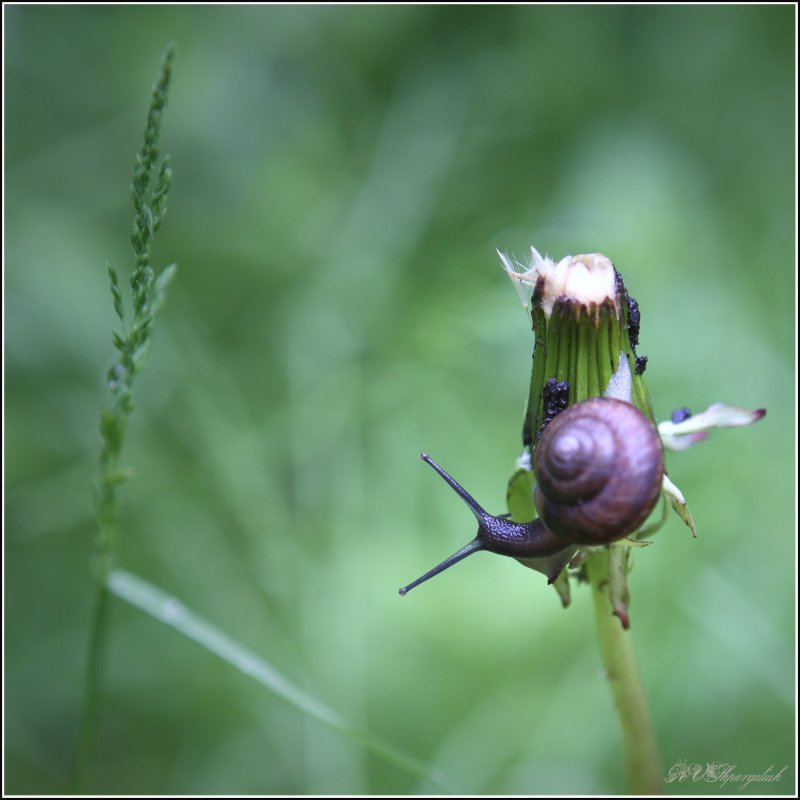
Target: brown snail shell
(599, 468)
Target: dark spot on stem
(680, 414)
(634, 320)
(619, 284)
(554, 398)
(538, 291)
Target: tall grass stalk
(150, 186)
(151, 181)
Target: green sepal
(519, 496)
(678, 502)
(561, 585)
(618, 556)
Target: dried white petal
(682, 442)
(588, 278)
(717, 416)
(513, 271)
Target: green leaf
(171, 611)
(139, 357)
(519, 496)
(160, 285)
(115, 292)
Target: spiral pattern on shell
(599, 467)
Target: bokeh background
(342, 177)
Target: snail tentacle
(497, 534)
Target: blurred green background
(342, 177)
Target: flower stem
(583, 319)
(619, 658)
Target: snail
(600, 468)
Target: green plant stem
(641, 750)
(87, 725)
(150, 186)
(102, 563)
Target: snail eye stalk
(473, 504)
(495, 534)
(466, 550)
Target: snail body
(599, 467)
